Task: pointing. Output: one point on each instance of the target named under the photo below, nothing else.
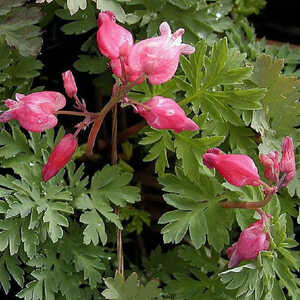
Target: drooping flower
(287, 163)
(125, 74)
(237, 169)
(69, 83)
(158, 57)
(165, 113)
(271, 164)
(111, 36)
(251, 242)
(35, 112)
(60, 156)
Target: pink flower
(60, 156)
(237, 169)
(69, 83)
(252, 240)
(165, 113)
(287, 164)
(35, 112)
(158, 57)
(270, 162)
(129, 75)
(111, 36)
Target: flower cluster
(287, 164)
(240, 170)
(36, 112)
(157, 58)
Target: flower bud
(165, 113)
(270, 162)
(158, 57)
(237, 169)
(287, 164)
(69, 84)
(252, 240)
(35, 112)
(111, 36)
(60, 156)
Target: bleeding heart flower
(287, 164)
(165, 113)
(251, 242)
(35, 112)
(60, 156)
(158, 57)
(111, 36)
(69, 84)
(237, 169)
(270, 162)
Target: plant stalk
(114, 160)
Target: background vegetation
(58, 239)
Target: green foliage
(258, 281)
(197, 211)
(108, 186)
(242, 36)
(136, 217)
(81, 22)
(282, 96)
(119, 289)
(17, 25)
(35, 220)
(16, 71)
(248, 7)
(162, 141)
(234, 86)
(10, 268)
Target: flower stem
(74, 113)
(251, 205)
(114, 160)
(248, 205)
(98, 122)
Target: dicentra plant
(216, 116)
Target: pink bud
(35, 112)
(69, 83)
(287, 164)
(165, 113)
(158, 57)
(252, 240)
(237, 169)
(270, 162)
(111, 36)
(60, 156)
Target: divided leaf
(120, 289)
(18, 27)
(162, 140)
(198, 211)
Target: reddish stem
(74, 113)
(251, 205)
